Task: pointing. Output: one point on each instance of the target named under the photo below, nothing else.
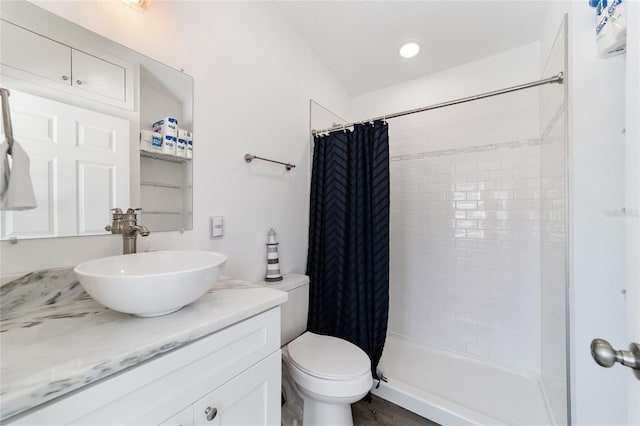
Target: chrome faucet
(127, 225)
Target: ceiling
(359, 40)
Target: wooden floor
(380, 412)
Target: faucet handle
(131, 210)
(116, 221)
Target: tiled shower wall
(465, 230)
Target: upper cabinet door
(98, 76)
(32, 53)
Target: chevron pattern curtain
(348, 259)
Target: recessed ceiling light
(409, 50)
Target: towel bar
(250, 157)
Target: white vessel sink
(150, 284)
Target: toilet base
(318, 413)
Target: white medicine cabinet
(28, 55)
(47, 61)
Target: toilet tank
(293, 313)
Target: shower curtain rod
(558, 78)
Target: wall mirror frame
(78, 103)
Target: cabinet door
(249, 399)
(183, 418)
(32, 53)
(97, 76)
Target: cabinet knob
(78, 82)
(211, 413)
(65, 77)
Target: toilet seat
(327, 357)
(330, 374)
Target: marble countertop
(54, 338)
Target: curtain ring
(384, 120)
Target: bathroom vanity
(68, 360)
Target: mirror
(79, 104)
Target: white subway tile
(466, 205)
(487, 185)
(502, 174)
(473, 195)
(467, 224)
(476, 176)
(489, 165)
(457, 196)
(476, 214)
(466, 186)
(501, 195)
(465, 250)
(466, 167)
(466, 243)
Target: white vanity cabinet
(26, 55)
(248, 399)
(244, 400)
(235, 371)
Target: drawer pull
(211, 413)
(78, 82)
(65, 77)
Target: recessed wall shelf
(165, 157)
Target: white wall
(465, 224)
(494, 72)
(596, 233)
(253, 80)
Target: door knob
(605, 356)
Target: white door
(79, 168)
(629, 381)
(632, 224)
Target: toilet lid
(328, 357)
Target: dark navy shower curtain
(348, 259)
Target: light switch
(216, 227)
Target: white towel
(16, 189)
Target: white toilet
(328, 373)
